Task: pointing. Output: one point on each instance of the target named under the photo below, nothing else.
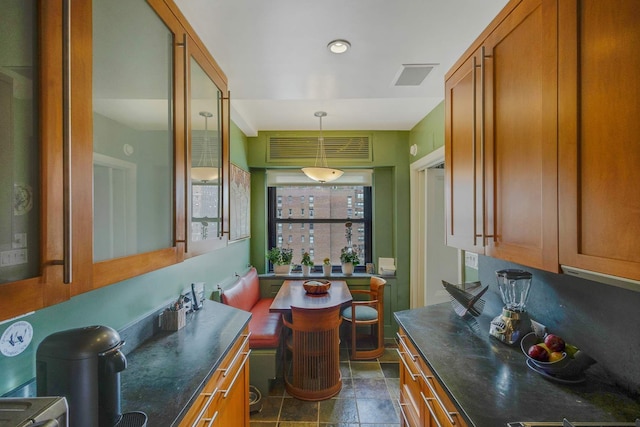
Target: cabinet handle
(226, 370)
(404, 345)
(205, 407)
(437, 398)
(474, 84)
(211, 420)
(404, 416)
(67, 261)
(483, 56)
(428, 405)
(233, 381)
(221, 231)
(400, 353)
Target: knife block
(173, 320)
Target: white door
(431, 260)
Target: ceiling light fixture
(339, 46)
(321, 172)
(205, 170)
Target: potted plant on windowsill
(307, 264)
(326, 267)
(281, 259)
(349, 259)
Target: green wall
(390, 200)
(126, 302)
(428, 134)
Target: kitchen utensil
(514, 322)
(464, 302)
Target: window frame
(367, 221)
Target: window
(302, 212)
(332, 208)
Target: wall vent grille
(282, 148)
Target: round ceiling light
(339, 46)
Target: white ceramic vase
(347, 268)
(326, 270)
(306, 270)
(282, 269)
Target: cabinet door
(31, 160)
(599, 151)
(520, 156)
(207, 154)
(463, 192)
(126, 130)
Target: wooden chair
(314, 369)
(367, 313)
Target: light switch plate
(471, 260)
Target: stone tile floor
(368, 398)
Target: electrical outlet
(187, 293)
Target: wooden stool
(314, 370)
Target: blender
(513, 323)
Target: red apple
(554, 342)
(539, 353)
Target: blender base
(510, 326)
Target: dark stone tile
(297, 424)
(390, 369)
(347, 391)
(263, 424)
(371, 388)
(366, 370)
(393, 385)
(345, 369)
(276, 388)
(298, 410)
(270, 409)
(377, 411)
(338, 410)
(389, 355)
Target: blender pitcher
(513, 323)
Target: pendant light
(205, 170)
(321, 172)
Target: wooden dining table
(292, 293)
(314, 343)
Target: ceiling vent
(412, 74)
(292, 148)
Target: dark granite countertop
(491, 382)
(166, 372)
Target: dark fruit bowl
(316, 286)
(567, 367)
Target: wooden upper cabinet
(207, 154)
(94, 131)
(462, 157)
(500, 140)
(599, 149)
(127, 139)
(31, 163)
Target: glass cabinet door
(137, 56)
(31, 163)
(133, 136)
(19, 142)
(207, 156)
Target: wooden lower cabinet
(423, 400)
(224, 400)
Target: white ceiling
(274, 53)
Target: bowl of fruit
(552, 355)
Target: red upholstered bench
(265, 327)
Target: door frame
(417, 278)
